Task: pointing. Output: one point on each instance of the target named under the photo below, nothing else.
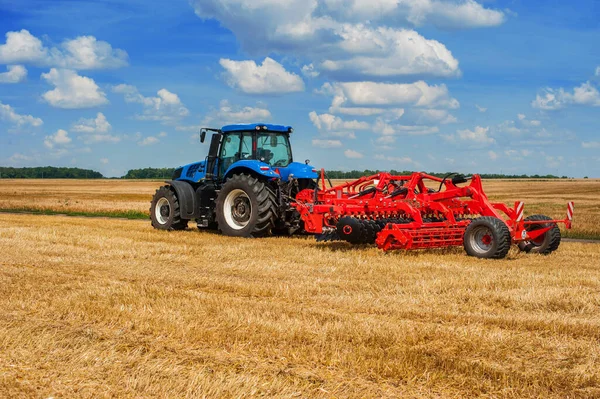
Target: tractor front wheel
(544, 244)
(487, 237)
(245, 207)
(164, 210)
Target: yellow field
(546, 197)
(96, 307)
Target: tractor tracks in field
(139, 219)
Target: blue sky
(436, 85)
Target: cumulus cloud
(15, 74)
(61, 137)
(590, 144)
(386, 52)
(7, 113)
(150, 140)
(166, 107)
(333, 36)
(329, 123)
(386, 129)
(553, 99)
(83, 52)
(95, 130)
(353, 154)
(72, 90)
(478, 137)
(268, 78)
(373, 94)
(480, 108)
(95, 125)
(326, 143)
(231, 114)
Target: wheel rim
(162, 210)
(481, 239)
(237, 209)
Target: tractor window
(274, 149)
(230, 151)
(246, 152)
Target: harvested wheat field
(98, 307)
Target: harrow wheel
(487, 237)
(164, 210)
(245, 207)
(545, 244)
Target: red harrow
(406, 212)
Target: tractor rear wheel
(487, 237)
(164, 210)
(245, 207)
(546, 243)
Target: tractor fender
(251, 167)
(186, 195)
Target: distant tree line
(355, 174)
(48, 172)
(149, 173)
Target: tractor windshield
(274, 149)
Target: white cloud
(326, 143)
(162, 134)
(554, 162)
(7, 113)
(230, 114)
(554, 99)
(309, 71)
(590, 144)
(72, 91)
(104, 161)
(521, 116)
(268, 78)
(353, 154)
(396, 160)
(480, 109)
(150, 140)
(96, 125)
(477, 137)
(492, 155)
(387, 52)
(166, 107)
(83, 52)
(15, 74)
(329, 123)
(61, 137)
(333, 34)
(433, 116)
(386, 129)
(368, 94)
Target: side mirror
(202, 135)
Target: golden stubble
(113, 308)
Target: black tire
(487, 237)
(545, 244)
(164, 210)
(246, 207)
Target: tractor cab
(258, 149)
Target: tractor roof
(253, 126)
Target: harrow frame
(411, 215)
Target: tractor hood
(297, 170)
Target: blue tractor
(243, 188)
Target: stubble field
(98, 307)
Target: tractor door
(213, 155)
